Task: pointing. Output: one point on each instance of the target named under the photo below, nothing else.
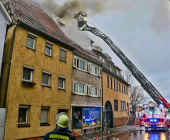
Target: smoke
(80, 38)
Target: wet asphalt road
(151, 135)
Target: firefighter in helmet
(61, 131)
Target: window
(119, 87)
(80, 88)
(48, 48)
(93, 69)
(27, 73)
(31, 39)
(122, 88)
(101, 58)
(122, 105)
(46, 78)
(116, 86)
(63, 55)
(110, 82)
(80, 64)
(116, 105)
(113, 84)
(126, 90)
(107, 81)
(61, 82)
(118, 72)
(23, 114)
(44, 115)
(94, 91)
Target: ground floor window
(122, 105)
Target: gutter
(9, 65)
(6, 13)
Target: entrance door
(108, 115)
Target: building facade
(115, 92)
(36, 73)
(86, 99)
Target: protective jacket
(59, 134)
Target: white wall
(3, 26)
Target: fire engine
(150, 117)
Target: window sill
(61, 89)
(46, 86)
(44, 124)
(30, 48)
(23, 125)
(62, 61)
(30, 83)
(48, 55)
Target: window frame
(26, 107)
(107, 80)
(116, 108)
(31, 73)
(50, 46)
(62, 49)
(49, 79)
(111, 82)
(120, 87)
(77, 85)
(34, 37)
(79, 59)
(64, 82)
(123, 105)
(95, 69)
(48, 109)
(95, 90)
(114, 84)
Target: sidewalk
(108, 132)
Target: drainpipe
(9, 65)
(102, 101)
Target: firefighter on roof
(61, 132)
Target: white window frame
(49, 78)
(78, 88)
(79, 65)
(31, 74)
(27, 108)
(45, 108)
(64, 80)
(47, 42)
(31, 35)
(96, 90)
(92, 65)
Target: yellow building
(115, 92)
(36, 73)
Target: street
(129, 133)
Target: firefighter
(61, 132)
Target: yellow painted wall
(111, 95)
(36, 96)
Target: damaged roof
(28, 12)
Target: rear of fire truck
(153, 118)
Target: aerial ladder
(146, 85)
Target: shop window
(48, 48)
(44, 115)
(46, 78)
(107, 81)
(122, 104)
(23, 114)
(110, 82)
(63, 55)
(31, 39)
(61, 82)
(116, 105)
(91, 117)
(94, 91)
(77, 117)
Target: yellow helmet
(62, 120)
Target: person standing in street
(61, 132)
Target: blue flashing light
(160, 105)
(151, 120)
(154, 120)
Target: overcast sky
(141, 29)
